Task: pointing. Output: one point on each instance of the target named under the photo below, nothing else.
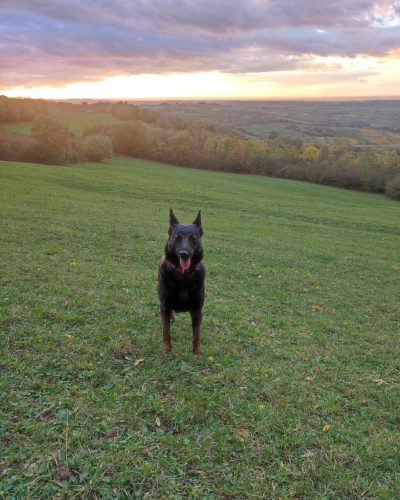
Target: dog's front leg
(166, 324)
(197, 316)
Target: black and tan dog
(181, 277)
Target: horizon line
(219, 98)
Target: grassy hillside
(296, 394)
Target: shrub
(311, 153)
(96, 147)
(393, 188)
(54, 141)
(125, 111)
(16, 147)
(131, 138)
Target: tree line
(53, 143)
(156, 136)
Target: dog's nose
(183, 254)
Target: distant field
(350, 136)
(297, 393)
(77, 122)
(374, 124)
(284, 129)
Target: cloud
(62, 41)
(215, 16)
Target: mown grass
(296, 394)
(76, 122)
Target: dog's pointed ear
(197, 222)
(173, 221)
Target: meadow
(296, 394)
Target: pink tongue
(185, 264)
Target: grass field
(77, 122)
(297, 392)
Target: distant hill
(351, 123)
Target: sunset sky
(203, 49)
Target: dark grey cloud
(63, 41)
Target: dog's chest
(183, 296)
(183, 285)
(183, 288)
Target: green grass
(77, 122)
(297, 393)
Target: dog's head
(184, 242)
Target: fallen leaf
(73, 263)
(158, 422)
(210, 358)
(326, 427)
(138, 361)
(317, 307)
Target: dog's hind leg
(166, 324)
(197, 317)
(173, 315)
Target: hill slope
(297, 391)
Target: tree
(179, 147)
(311, 153)
(125, 111)
(393, 188)
(390, 159)
(54, 141)
(96, 147)
(132, 138)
